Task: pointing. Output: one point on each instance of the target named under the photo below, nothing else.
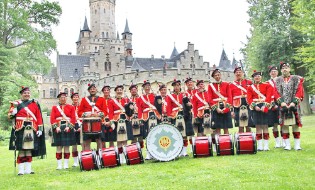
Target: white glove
(39, 133)
(14, 111)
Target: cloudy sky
(156, 25)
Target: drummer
(92, 106)
(108, 135)
(146, 110)
(118, 119)
(77, 129)
(175, 112)
(62, 119)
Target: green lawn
(276, 169)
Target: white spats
(297, 144)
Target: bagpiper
(221, 102)
(161, 104)
(77, 129)
(92, 109)
(27, 134)
(62, 119)
(273, 114)
(289, 94)
(259, 98)
(241, 112)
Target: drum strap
(175, 101)
(92, 104)
(257, 92)
(239, 86)
(63, 114)
(119, 104)
(148, 103)
(217, 92)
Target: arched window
(109, 66)
(51, 93)
(106, 34)
(105, 66)
(95, 49)
(66, 91)
(55, 92)
(71, 91)
(103, 35)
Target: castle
(105, 57)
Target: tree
(273, 39)
(26, 41)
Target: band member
(289, 93)
(118, 119)
(273, 114)
(147, 112)
(77, 129)
(92, 109)
(241, 113)
(27, 135)
(62, 119)
(161, 104)
(259, 98)
(175, 113)
(108, 135)
(190, 91)
(137, 131)
(220, 100)
(201, 111)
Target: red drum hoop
(224, 144)
(202, 147)
(133, 154)
(109, 157)
(245, 143)
(91, 125)
(88, 160)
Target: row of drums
(165, 143)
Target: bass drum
(245, 143)
(88, 160)
(164, 142)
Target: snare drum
(245, 143)
(88, 160)
(133, 154)
(224, 144)
(202, 147)
(109, 157)
(91, 125)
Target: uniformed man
(27, 135)
(108, 135)
(77, 129)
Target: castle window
(118, 49)
(95, 11)
(66, 91)
(105, 66)
(103, 35)
(104, 11)
(55, 92)
(75, 71)
(106, 34)
(43, 93)
(71, 91)
(95, 49)
(51, 93)
(96, 64)
(109, 66)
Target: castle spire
(127, 28)
(117, 36)
(174, 52)
(85, 26)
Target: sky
(158, 25)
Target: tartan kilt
(237, 117)
(19, 140)
(129, 130)
(273, 117)
(64, 138)
(77, 134)
(221, 121)
(260, 118)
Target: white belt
(119, 111)
(175, 109)
(203, 108)
(24, 118)
(148, 109)
(237, 97)
(62, 118)
(220, 99)
(258, 100)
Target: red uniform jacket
(273, 85)
(172, 108)
(190, 93)
(224, 89)
(237, 93)
(199, 106)
(106, 105)
(115, 110)
(86, 107)
(76, 109)
(33, 115)
(254, 98)
(143, 108)
(56, 116)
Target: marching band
(200, 111)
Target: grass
(275, 169)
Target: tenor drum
(164, 142)
(88, 160)
(91, 125)
(224, 144)
(202, 147)
(109, 157)
(245, 143)
(133, 154)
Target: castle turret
(83, 42)
(127, 38)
